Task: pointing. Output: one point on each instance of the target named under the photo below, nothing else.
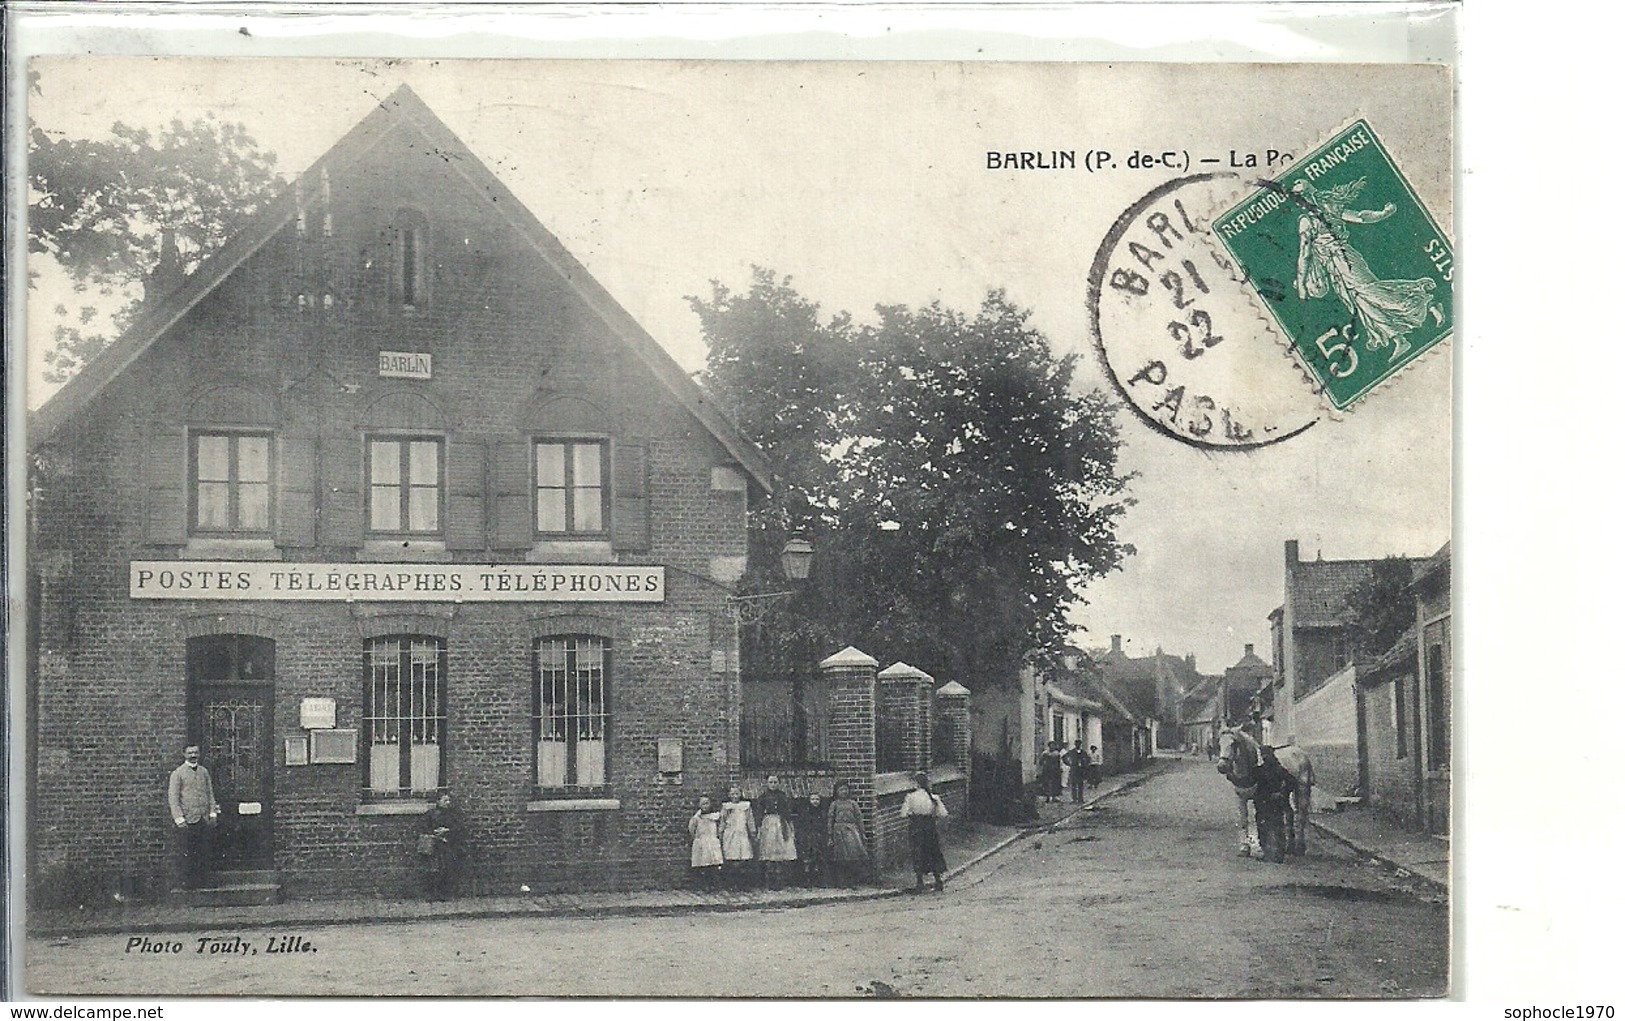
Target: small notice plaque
(332, 746)
(670, 754)
(318, 713)
(296, 751)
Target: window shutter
(514, 523)
(630, 510)
(465, 496)
(340, 503)
(168, 487)
(295, 521)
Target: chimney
(1117, 644)
(1291, 551)
(1249, 651)
(1190, 661)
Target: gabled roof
(401, 108)
(1321, 590)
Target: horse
(1276, 774)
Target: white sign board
(405, 365)
(318, 713)
(474, 583)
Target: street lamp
(796, 561)
(796, 558)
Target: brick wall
(506, 336)
(1392, 779)
(1328, 730)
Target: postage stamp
(1348, 261)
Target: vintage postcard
(516, 528)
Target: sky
(867, 184)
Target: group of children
(740, 842)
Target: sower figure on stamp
(195, 813)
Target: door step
(235, 889)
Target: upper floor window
(571, 711)
(570, 491)
(404, 713)
(231, 483)
(404, 484)
(411, 259)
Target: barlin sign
(490, 583)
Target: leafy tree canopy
(959, 493)
(1382, 607)
(99, 207)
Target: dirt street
(1142, 898)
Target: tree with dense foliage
(100, 208)
(959, 493)
(1382, 607)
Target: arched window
(404, 713)
(570, 713)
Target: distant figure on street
(1076, 761)
(922, 809)
(1096, 760)
(195, 813)
(849, 857)
(738, 837)
(439, 844)
(705, 848)
(1049, 771)
(775, 832)
(1212, 747)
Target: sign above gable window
(405, 365)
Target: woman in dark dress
(922, 809)
(1049, 771)
(439, 842)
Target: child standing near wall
(705, 853)
(812, 839)
(776, 832)
(738, 826)
(849, 857)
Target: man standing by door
(195, 814)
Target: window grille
(405, 713)
(572, 712)
(231, 482)
(570, 486)
(404, 485)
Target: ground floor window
(405, 713)
(571, 715)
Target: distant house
(1404, 711)
(1242, 685)
(1154, 688)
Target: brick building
(1405, 710)
(387, 498)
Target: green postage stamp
(1351, 266)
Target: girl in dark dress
(439, 842)
(922, 809)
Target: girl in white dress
(738, 826)
(705, 854)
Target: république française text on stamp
(1349, 263)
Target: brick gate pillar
(904, 705)
(851, 677)
(953, 704)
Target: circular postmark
(1180, 333)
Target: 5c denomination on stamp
(1348, 261)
